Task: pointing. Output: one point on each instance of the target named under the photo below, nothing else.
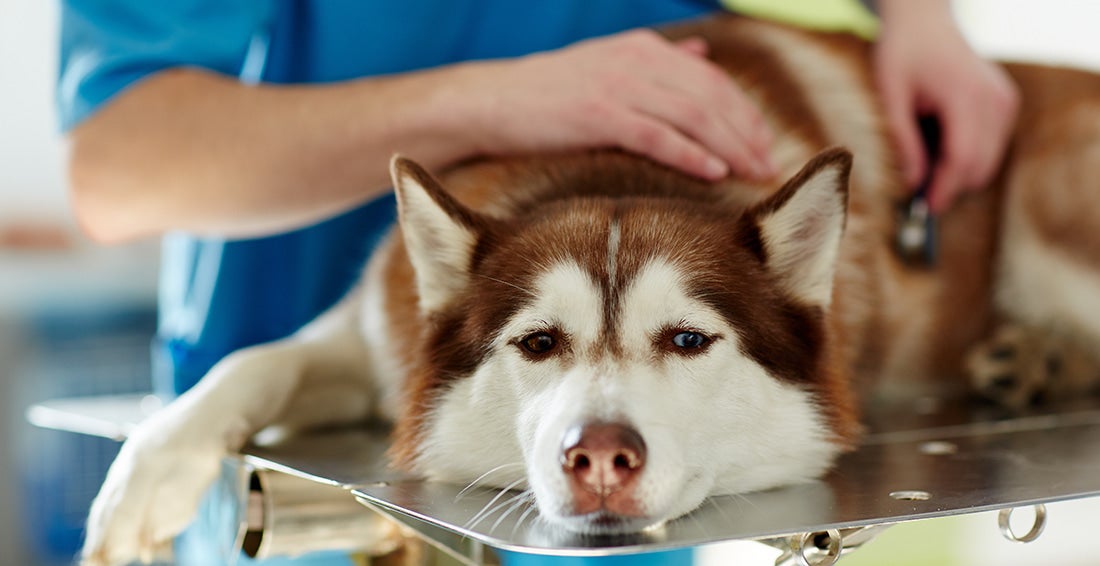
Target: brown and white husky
(626, 340)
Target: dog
(624, 340)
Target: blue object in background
(680, 557)
(102, 350)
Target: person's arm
(191, 150)
(923, 65)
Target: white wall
(31, 178)
(1050, 31)
(33, 189)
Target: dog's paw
(151, 493)
(1018, 366)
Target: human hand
(923, 65)
(635, 90)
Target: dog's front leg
(154, 486)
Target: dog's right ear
(440, 233)
(796, 232)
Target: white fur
(154, 486)
(496, 396)
(715, 422)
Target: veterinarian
(254, 136)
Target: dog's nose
(602, 458)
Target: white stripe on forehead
(613, 238)
(565, 296)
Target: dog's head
(626, 357)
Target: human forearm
(191, 150)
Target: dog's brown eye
(538, 343)
(689, 340)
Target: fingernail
(715, 168)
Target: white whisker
(524, 516)
(486, 510)
(721, 511)
(699, 523)
(518, 501)
(741, 497)
(472, 484)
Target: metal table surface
(922, 458)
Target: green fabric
(825, 15)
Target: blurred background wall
(76, 319)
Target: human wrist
(424, 114)
(910, 14)
(465, 105)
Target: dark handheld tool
(916, 239)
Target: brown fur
(886, 318)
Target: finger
(946, 186)
(991, 151)
(742, 117)
(700, 124)
(1000, 101)
(714, 90)
(901, 117)
(966, 156)
(657, 140)
(984, 166)
(955, 166)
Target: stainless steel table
(923, 457)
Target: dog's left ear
(440, 233)
(796, 232)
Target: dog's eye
(538, 343)
(689, 340)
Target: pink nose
(602, 459)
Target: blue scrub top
(219, 295)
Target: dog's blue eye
(689, 340)
(538, 343)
